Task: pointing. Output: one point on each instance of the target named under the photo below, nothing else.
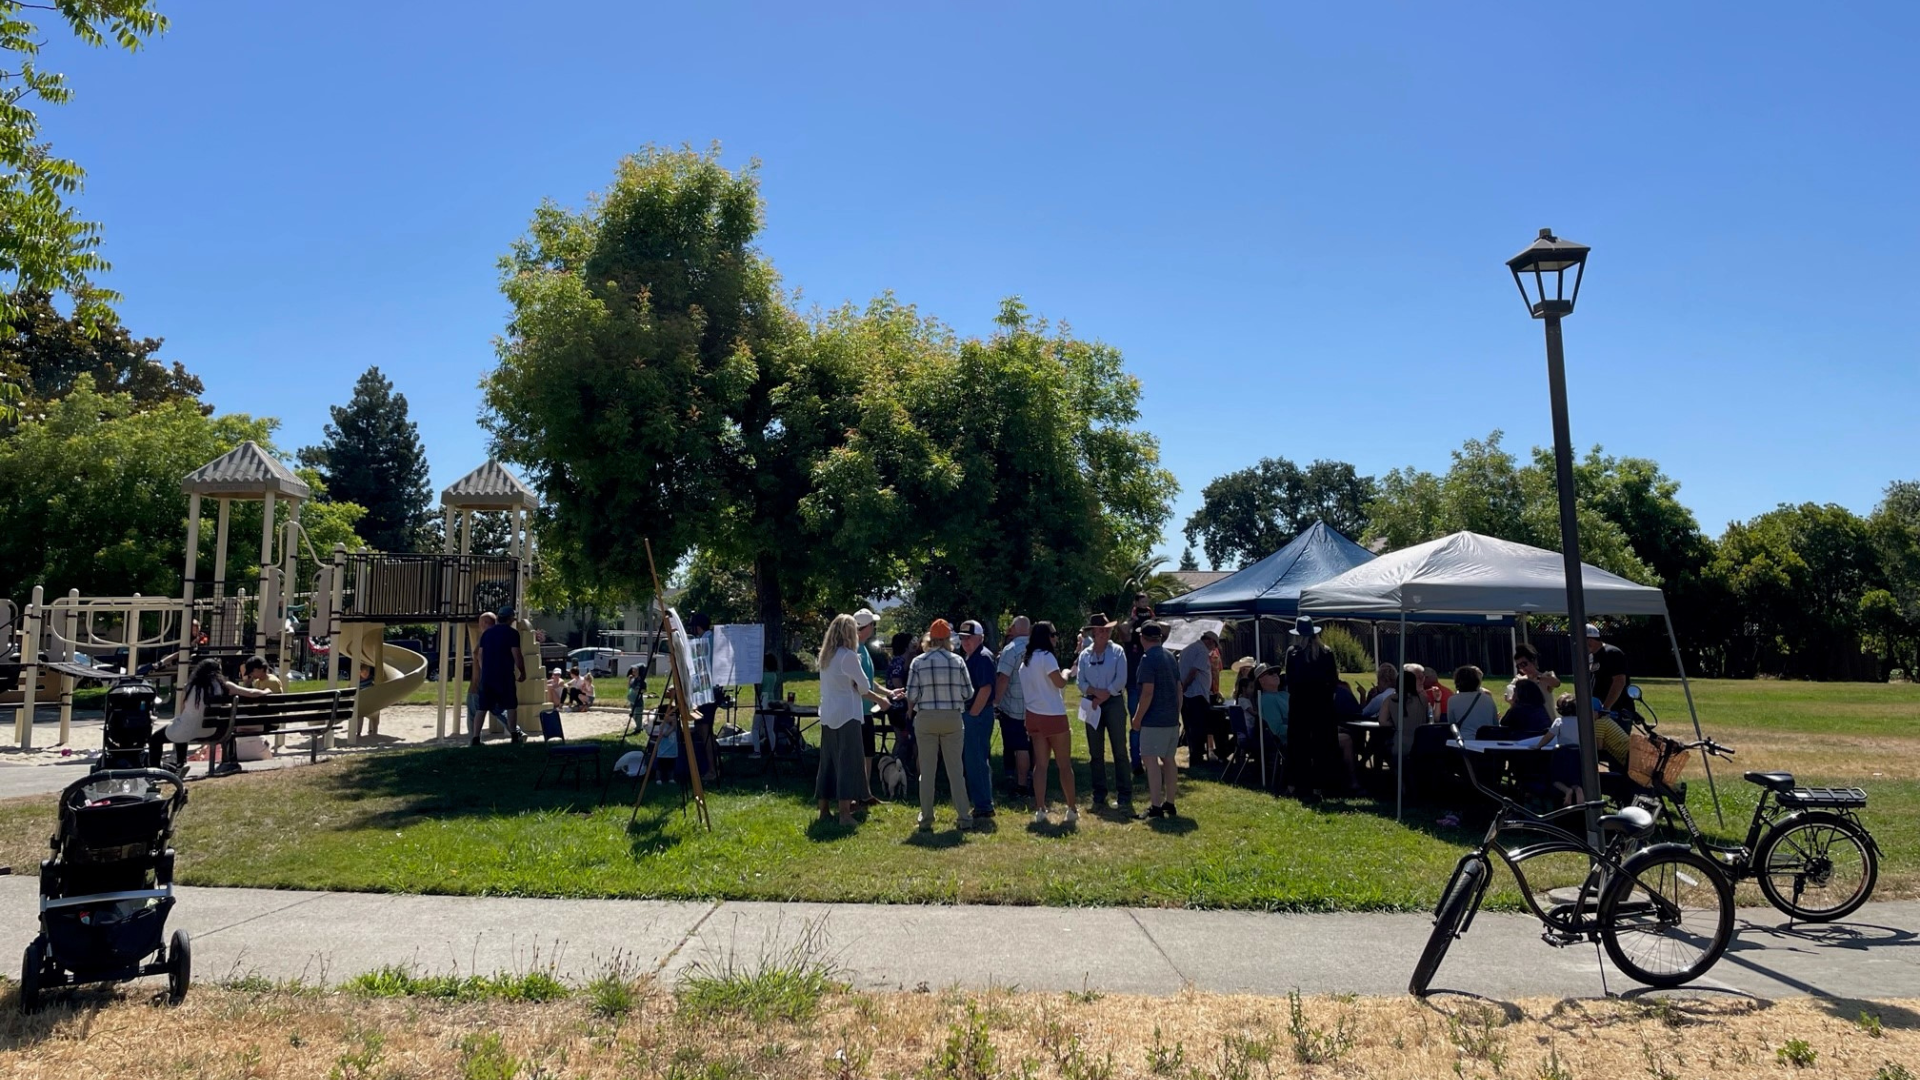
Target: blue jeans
(975, 755)
(1133, 736)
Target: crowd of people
(948, 692)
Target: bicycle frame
(1569, 922)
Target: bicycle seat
(1772, 781)
(1634, 821)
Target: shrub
(1346, 648)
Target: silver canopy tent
(1466, 573)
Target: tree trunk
(766, 585)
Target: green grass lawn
(463, 820)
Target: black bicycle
(1806, 847)
(1663, 912)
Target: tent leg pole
(1706, 760)
(1399, 753)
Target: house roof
(489, 487)
(245, 472)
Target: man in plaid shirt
(938, 687)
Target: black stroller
(106, 892)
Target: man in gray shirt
(1011, 703)
(1196, 688)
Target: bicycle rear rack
(1836, 798)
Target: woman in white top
(207, 689)
(1041, 683)
(556, 687)
(1405, 709)
(1471, 707)
(843, 688)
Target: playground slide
(400, 672)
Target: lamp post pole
(1544, 264)
(1570, 552)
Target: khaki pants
(939, 733)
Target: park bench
(310, 712)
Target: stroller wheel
(179, 966)
(32, 968)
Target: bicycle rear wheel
(1817, 867)
(1667, 916)
(1462, 893)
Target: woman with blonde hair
(843, 688)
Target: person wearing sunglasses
(1526, 666)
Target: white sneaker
(1073, 814)
(1039, 817)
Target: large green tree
(1798, 575)
(90, 489)
(45, 352)
(1895, 528)
(642, 379)
(1250, 513)
(1007, 475)
(1486, 490)
(370, 455)
(44, 244)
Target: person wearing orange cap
(938, 687)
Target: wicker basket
(1645, 754)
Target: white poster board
(693, 659)
(739, 654)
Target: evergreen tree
(371, 455)
(1187, 562)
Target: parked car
(597, 661)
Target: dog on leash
(893, 776)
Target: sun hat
(1099, 621)
(1245, 663)
(1593, 631)
(1262, 670)
(864, 618)
(972, 628)
(1304, 627)
(941, 628)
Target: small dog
(893, 776)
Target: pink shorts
(1045, 725)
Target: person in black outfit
(1608, 666)
(1313, 749)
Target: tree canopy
(90, 490)
(46, 352)
(654, 383)
(44, 244)
(370, 455)
(1251, 513)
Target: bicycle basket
(1648, 755)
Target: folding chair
(568, 756)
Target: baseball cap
(1593, 631)
(940, 629)
(972, 628)
(864, 618)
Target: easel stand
(677, 687)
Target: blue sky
(1292, 219)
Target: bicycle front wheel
(1455, 903)
(1667, 916)
(1817, 867)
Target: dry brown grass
(944, 1035)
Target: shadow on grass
(455, 782)
(935, 841)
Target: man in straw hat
(1101, 674)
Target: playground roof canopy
(245, 472)
(489, 487)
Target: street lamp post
(1545, 264)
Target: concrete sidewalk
(330, 937)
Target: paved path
(329, 937)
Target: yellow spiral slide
(397, 672)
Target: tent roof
(1468, 573)
(1272, 585)
(489, 487)
(245, 472)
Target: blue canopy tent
(1271, 587)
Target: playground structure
(488, 489)
(353, 596)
